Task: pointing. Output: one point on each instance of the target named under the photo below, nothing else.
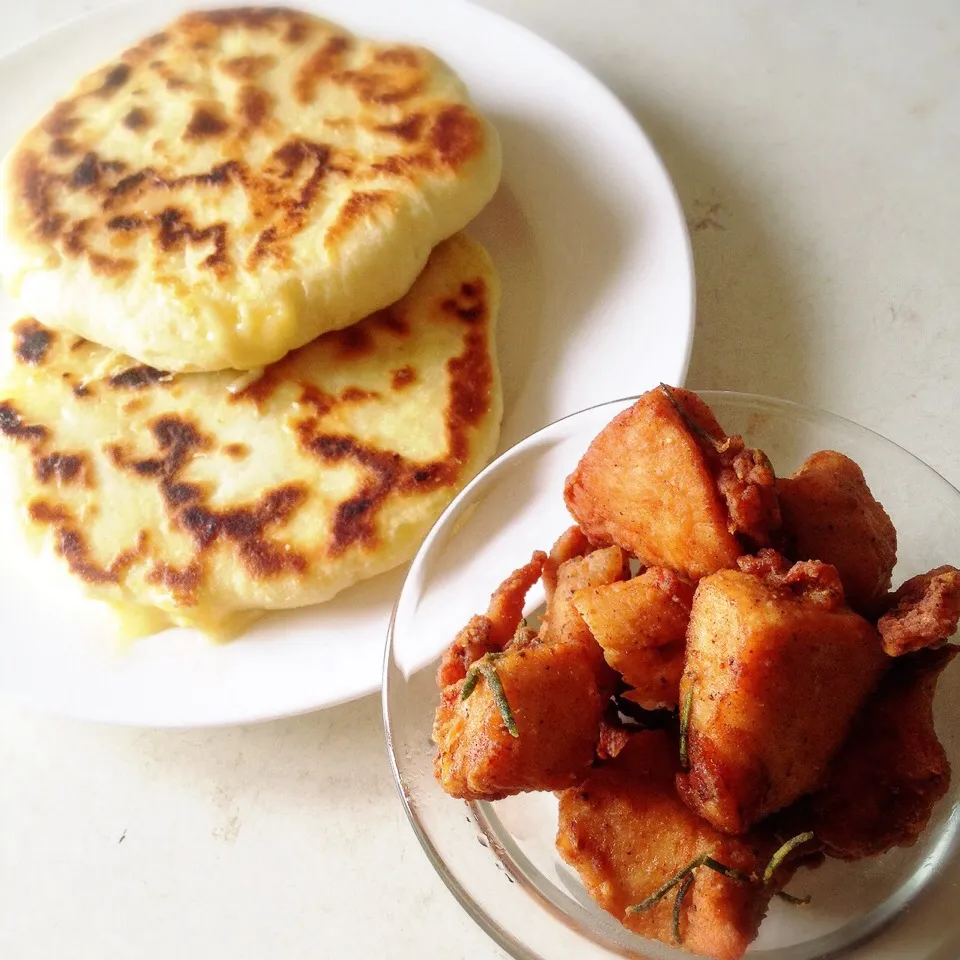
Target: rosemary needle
(685, 878)
(783, 853)
(677, 904)
(689, 422)
(484, 667)
(684, 725)
(796, 901)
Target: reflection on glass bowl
(499, 859)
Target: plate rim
(59, 34)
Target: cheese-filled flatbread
(237, 184)
(206, 494)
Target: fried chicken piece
(626, 833)
(829, 514)
(613, 738)
(663, 482)
(892, 770)
(562, 622)
(491, 632)
(555, 686)
(571, 543)
(641, 626)
(923, 612)
(817, 582)
(776, 673)
(556, 705)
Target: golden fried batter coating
(817, 582)
(892, 770)
(613, 738)
(924, 612)
(556, 686)
(556, 704)
(829, 514)
(776, 674)
(562, 622)
(491, 632)
(571, 543)
(662, 481)
(626, 833)
(641, 625)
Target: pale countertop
(815, 148)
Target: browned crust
(435, 139)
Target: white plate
(591, 244)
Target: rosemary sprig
(685, 877)
(684, 726)
(796, 901)
(658, 895)
(730, 872)
(484, 667)
(690, 424)
(777, 859)
(704, 860)
(681, 893)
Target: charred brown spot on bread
(358, 395)
(124, 224)
(13, 426)
(115, 78)
(42, 512)
(108, 266)
(323, 62)
(248, 18)
(410, 130)
(62, 147)
(248, 67)
(470, 304)
(81, 390)
(398, 56)
(237, 451)
(357, 208)
(182, 582)
(470, 376)
(87, 172)
(60, 120)
(391, 319)
(403, 377)
(32, 340)
(321, 401)
(207, 121)
(246, 526)
(352, 341)
(355, 518)
(298, 159)
(254, 104)
(63, 468)
(136, 119)
(381, 88)
(71, 545)
(177, 232)
(456, 135)
(136, 378)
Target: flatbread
(204, 494)
(236, 185)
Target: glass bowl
(499, 859)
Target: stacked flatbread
(255, 357)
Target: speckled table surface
(814, 147)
